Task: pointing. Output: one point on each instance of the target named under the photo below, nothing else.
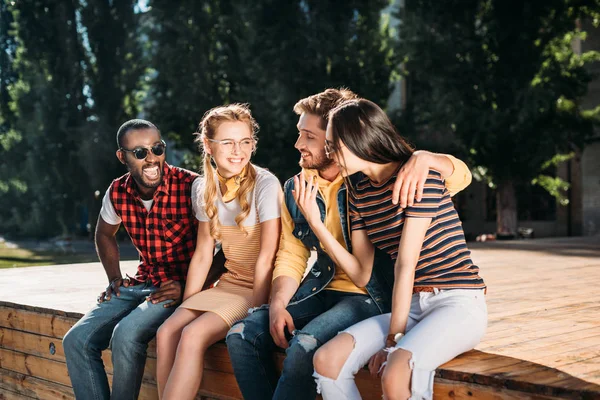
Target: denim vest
(322, 271)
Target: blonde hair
(207, 128)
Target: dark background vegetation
(495, 82)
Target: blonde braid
(246, 186)
(210, 195)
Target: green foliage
(269, 54)
(501, 77)
(46, 184)
(71, 72)
(556, 186)
(68, 95)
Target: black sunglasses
(141, 152)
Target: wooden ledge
(32, 365)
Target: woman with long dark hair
(438, 302)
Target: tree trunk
(506, 209)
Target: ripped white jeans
(441, 325)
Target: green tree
(270, 54)
(78, 66)
(50, 116)
(11, 186)
(503, 79)
(115, 64)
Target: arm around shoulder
(460, 178)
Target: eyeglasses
(228, 145)
(330, 148)
(141, 152)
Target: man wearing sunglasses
(310, 304)
(154, 203)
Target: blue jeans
(317, 319)
(125, 324)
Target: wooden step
(32, 365)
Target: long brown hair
(207, 128)
(368, 133)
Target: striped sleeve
(432, 196)
(356, 221)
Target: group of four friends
(393, 285)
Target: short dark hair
(131, 125)
(321, 104)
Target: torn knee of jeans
(421, 381)
(320, 378)
(306, 341)
(236, 329)
(263, 307)
(390, 351)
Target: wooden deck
(543, 339)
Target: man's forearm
(108, 252)
(441, 163)
(282, 290)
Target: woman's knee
(396, 377)
(329, 360)
(167, 333)
(192, 339)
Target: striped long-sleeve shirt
(444, 261)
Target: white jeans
(441, 325)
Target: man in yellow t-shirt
(310, 304)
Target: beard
(318, 163)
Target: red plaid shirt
(165, 236)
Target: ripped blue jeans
(317, 319)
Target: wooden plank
(8, 395)
(42, 346)
(33, 387)
(469, 357)
(50, 370)
(369, 387)
(46, 324)
(451, 390)
(56, 370)
(221, 385)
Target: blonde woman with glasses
(239, 207)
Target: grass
(15, 257)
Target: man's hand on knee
(279, 320)
(169, 290)
(113, 287)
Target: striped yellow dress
(232, 297)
